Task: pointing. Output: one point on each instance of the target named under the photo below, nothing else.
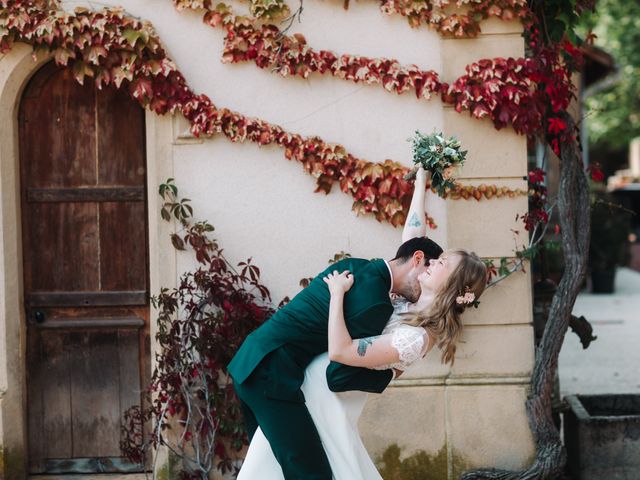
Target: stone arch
(16, 68)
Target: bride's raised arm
(415, 225)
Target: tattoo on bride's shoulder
(363, 344)
(414, 221)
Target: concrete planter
(602, 437)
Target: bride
(450, 284)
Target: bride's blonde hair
(441, 318)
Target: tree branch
(574, 216)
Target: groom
(268, 369)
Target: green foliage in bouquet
(439, 155)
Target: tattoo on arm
(414, 221)
(363, 344)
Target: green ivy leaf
(177, 242)
(132, 36)
(503, 269)
(80, 70)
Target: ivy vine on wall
(111, 48)
(502, 89)
(451, 18)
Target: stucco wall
(264, 206)
(261, 204)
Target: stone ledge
(461, 380)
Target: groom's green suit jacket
(301, 325)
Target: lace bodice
(410, 342)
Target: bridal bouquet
(439, 155)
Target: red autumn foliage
(597, 175)
(112, 48)
(537, 213)
(435, 15)
(467, 24)
(201, 324)
(509, 91)
(128, 54)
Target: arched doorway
(85, 264)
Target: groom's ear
(418, 258)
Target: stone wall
(475, 410)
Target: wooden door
(85, 258)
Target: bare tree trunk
(574, 214)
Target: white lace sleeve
(409, 342)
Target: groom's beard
(411, 289)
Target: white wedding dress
(336, 414)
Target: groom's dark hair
(430, 249)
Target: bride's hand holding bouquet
(441, 157)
